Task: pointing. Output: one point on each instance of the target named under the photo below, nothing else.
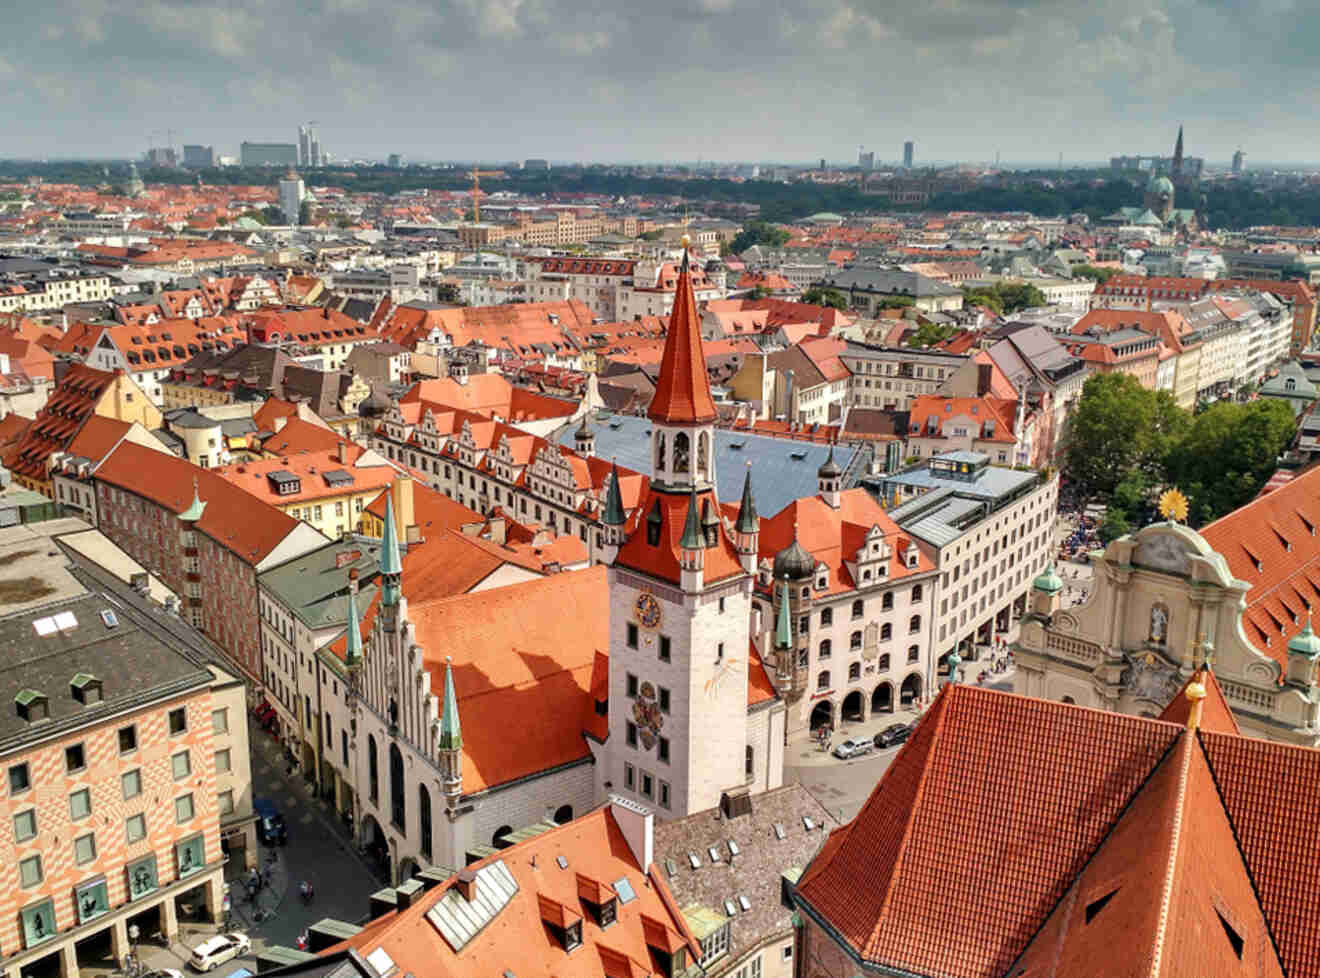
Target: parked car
(895, 733)
(853, 748)
(215, 951)
(271, 828)
(164, 973)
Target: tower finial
(353, 637)
(451, 731)
(1196, 696)
(391, 567)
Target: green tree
(1228, 453)
(757, 292)
(758, 232)
(306, 213)
(272, 215)
(825, 296)
(1099, 275)
(1114, 525)
(929, 334)
(1110, 431)
(651, 235)
(1004, 298)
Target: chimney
(341, 453)
(402, 491)
(637, 824)
(499, 530)
(466, 884)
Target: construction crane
(476, 190)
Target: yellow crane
(476, 190)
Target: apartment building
(40, 285)
(891, 377)
(127, 782)
(992, 531)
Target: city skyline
(1026, 82)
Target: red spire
(682, 392)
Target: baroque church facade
(1164, 602)
(680, 713)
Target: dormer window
(573, 936)
(32, 705)
(86, 689)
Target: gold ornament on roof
(1173, 506)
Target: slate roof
(888, 281)
(755, 872)
(131, 661)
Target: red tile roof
(1271, 543)
(71, 402)
(662, 559)
(682, 390)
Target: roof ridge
(1184, 744)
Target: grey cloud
(721, 79)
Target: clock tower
(679, 607)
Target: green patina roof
(692, 539)
(1305, 642)
(82, 679)
(389, 549)
(194, 512)
(314, 587)
(26, 697)
(353, 636)
(613, 514)
(784, 629)
(1049, 581)
(451, 733)
(748, 521)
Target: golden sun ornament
(1173, 506)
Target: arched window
(915, 624)
(682, 452)
(886, 631)
(826, 617)
(858, 608)
(825, 649)
(659, 452)
(564, 813)
(914, 653)
(916, 592)
(823, 680)
(703, 455)
(1069, 699)
(887, 602)
(498, 840)
(373, 770)
(398, 805)
(855, 671)
(855, 641)
(882, 664)
(1290, 384)
(424, 818)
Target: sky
(636, 80)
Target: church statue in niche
(1159, 625)
(702, 451)
(660, 451)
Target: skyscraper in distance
(908, 149)
(1238, 159)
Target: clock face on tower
(647, 611)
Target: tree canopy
(825, 296)
(1004, 297)
(1098, 275)
(1126, 441)
(758, 232)
(929, 334)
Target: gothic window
(373, 770)
(703, 454)
(886, 631)
(398, 805)
(394, 712)
(823, 680)
(659, 451)
(915, 624)
(916, 592)
(857, 608)
(826, 617)
(855, 671)
(887, 602)
(882, 663)
(825, 649)
(424, 817)
(855, 641)
(682, 452)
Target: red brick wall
(152, 536)
(49, 793)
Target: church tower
(1176, 165)
(680, 594)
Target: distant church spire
(1175, 170)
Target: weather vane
(1173, 506)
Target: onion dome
(830, 469)
(1305, 643)
(1048, 581)
(794, 562)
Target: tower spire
(353, 638)
(1177, 165)
(451, 732)
(613, 514)
(748, 520)
(682, 390)
(391, 567)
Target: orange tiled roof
(518, 942)
(682, 390)
(662, 560)
(433, 511)
(1270, 544)
(310, 467)
(71, 402)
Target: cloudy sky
(677, 80)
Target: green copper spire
(390, 564)
(194, 512)
(353, 648)
(451, 733)
(784, 630)
(748, 521)
(692, 539)
(613, 514)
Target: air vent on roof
(744, 903)
(380, 960)
(110, 619)
(807, 823)
(714, 854)
(562, 862)
(730, 909)
(779, 831)
(1095, 906)
(671, 868)
(694, 860)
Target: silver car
(853, 748)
